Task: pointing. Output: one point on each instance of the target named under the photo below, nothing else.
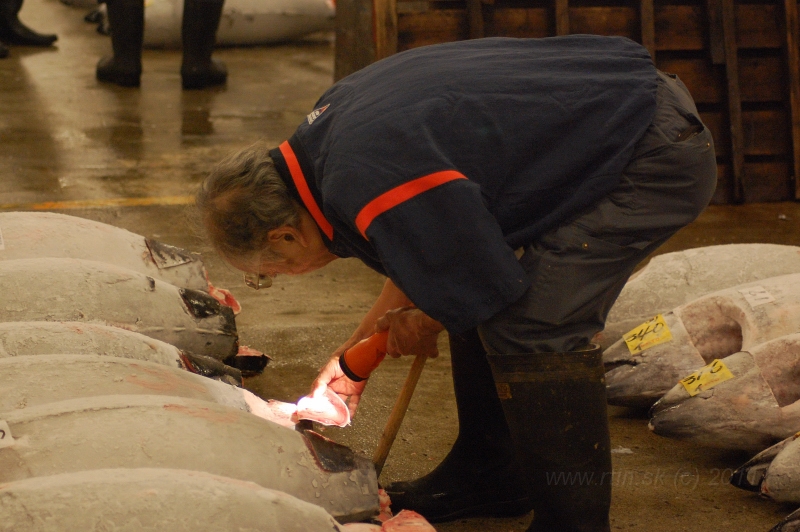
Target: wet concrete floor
(133, 157)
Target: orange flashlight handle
(361, 359)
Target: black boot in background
(480, 475)
(555, 406)
(198, 33)
(12, 31)
(124, 68)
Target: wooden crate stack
(740, 60)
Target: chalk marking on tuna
(756, 296)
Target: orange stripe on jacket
(402, 193)
(302, 188)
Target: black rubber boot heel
(109, 72)
(202, 76)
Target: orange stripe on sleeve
(302, 189)
(402, 193)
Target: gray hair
(242, 200)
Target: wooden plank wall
(740, 60)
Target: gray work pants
(578, 269)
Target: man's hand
(411, 332)
(331, 376)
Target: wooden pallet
(740, 61)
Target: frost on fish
(158, 500)
(790, 524)
(674, 279)
(52, 337)
(33, 235)
(712, 327)
(244, 22)
(758, 407)
(48, 337)
(751, 475)
(774, 472)
(29, 381)
(88, 291)
(143, 431)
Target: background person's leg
(124, 66)
(198, 33)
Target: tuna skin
(144, 431)
(157, 500)
(757, 408)
(89, 291)
(675, 279)
(712, 327)
(76, 376)
(48, 337)
(32, 235)
(751, 475)
(790, 524)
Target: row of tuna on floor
(709, 340)
(102, 424)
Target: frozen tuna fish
(674, 279)
(28, 381)
(709, 328)
(35, 235)
(158, 500)
(774, 472)
(755, 408)
(790, 524)
(48, 337)
(173, 432)
(82, 290)
(244, 22)
(751, 475)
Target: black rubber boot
(555, 405)
(12, 31)
(480, 476)
(3, 51)
(198, 33)
(127, 31)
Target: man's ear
(286, 234)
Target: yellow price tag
(707, 377)
(647, 335)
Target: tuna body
(711, 327)
(144, 431)
(244, 22)
(674, 279)
(52, 337)
(774, 472)
(51, 289)
(29, 381)
(35, 235)
(756, 408)
(158, 500)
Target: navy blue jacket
(434, 164)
